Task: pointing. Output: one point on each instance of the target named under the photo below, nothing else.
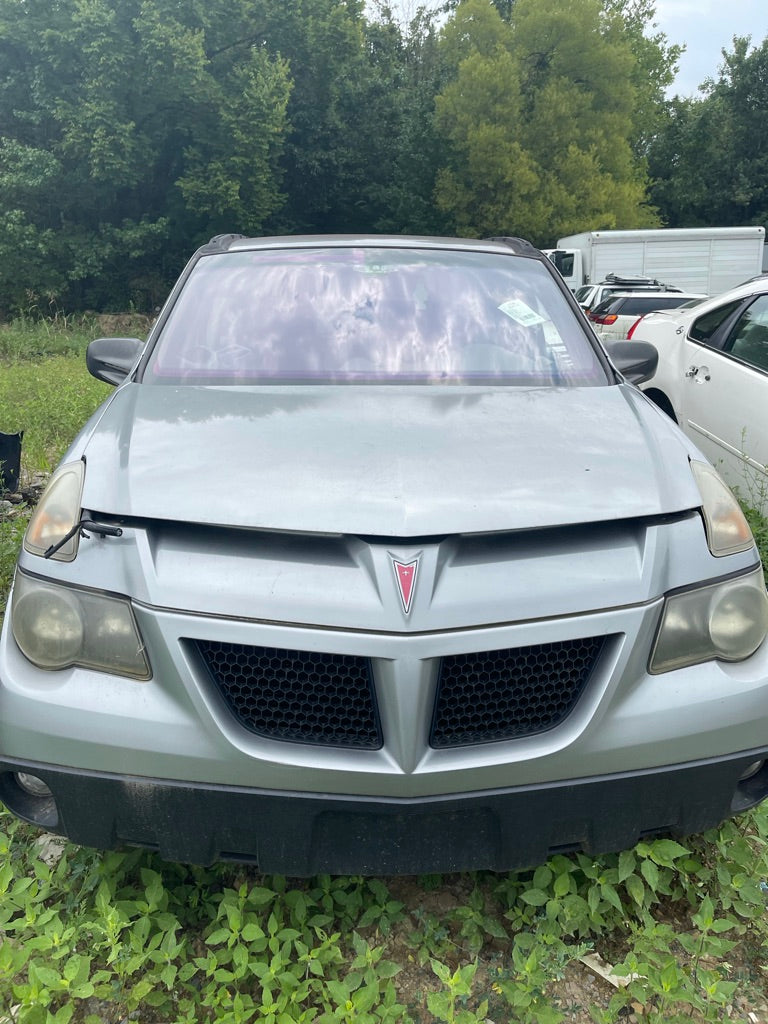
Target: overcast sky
(705, 27)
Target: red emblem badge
(405, 577)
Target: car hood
(405, 462)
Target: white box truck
(707, 260)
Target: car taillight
(631, 330)
(603, 318)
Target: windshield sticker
(521, 313)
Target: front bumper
(302, 834)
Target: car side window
(749, 340)
(705, 328)
(643, 304)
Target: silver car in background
(374, 562)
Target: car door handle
(700, 373)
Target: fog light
(33, 785)
(750, 770)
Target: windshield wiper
(80, 527)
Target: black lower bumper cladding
(302, 834)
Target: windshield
(371, 315)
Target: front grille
(303, 696)
(502, 695)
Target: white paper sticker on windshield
(524, 315)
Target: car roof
(755, 286)
(758, 286)
(657, 295)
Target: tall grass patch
(27, 337)
(49, 400)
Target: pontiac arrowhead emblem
(405, 578)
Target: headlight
(56, 627)
(728, 621)
(727, 529)
(56, 514)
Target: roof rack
(220, 243)
(639, 282)
(520, 245)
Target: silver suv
(374, 562)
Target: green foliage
(654, 67)
(190, 944)
(232, 174)
(539, 116)
(183, 943)
(759, 527)
(709, 157)
(457, 987)
(11, 534)
(117, 111)
(46, 392)
(49, 400)
(130, 133)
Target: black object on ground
(10, 461)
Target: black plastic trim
(301, 834)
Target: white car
(712, 378)
(615, 315)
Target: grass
(34, 338)
(107, 937)
(46, 392)
(49, 400)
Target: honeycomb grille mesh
(501, 695)
(303, 696)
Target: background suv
(613, 317)
(591, 295)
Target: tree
(539, 117)
(131, 132)
(654, 68)
(408, 69)
(709, 161)
(127, 131)
(329, 137)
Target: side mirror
(636, 360)
(112, 359)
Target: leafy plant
(457, 988)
